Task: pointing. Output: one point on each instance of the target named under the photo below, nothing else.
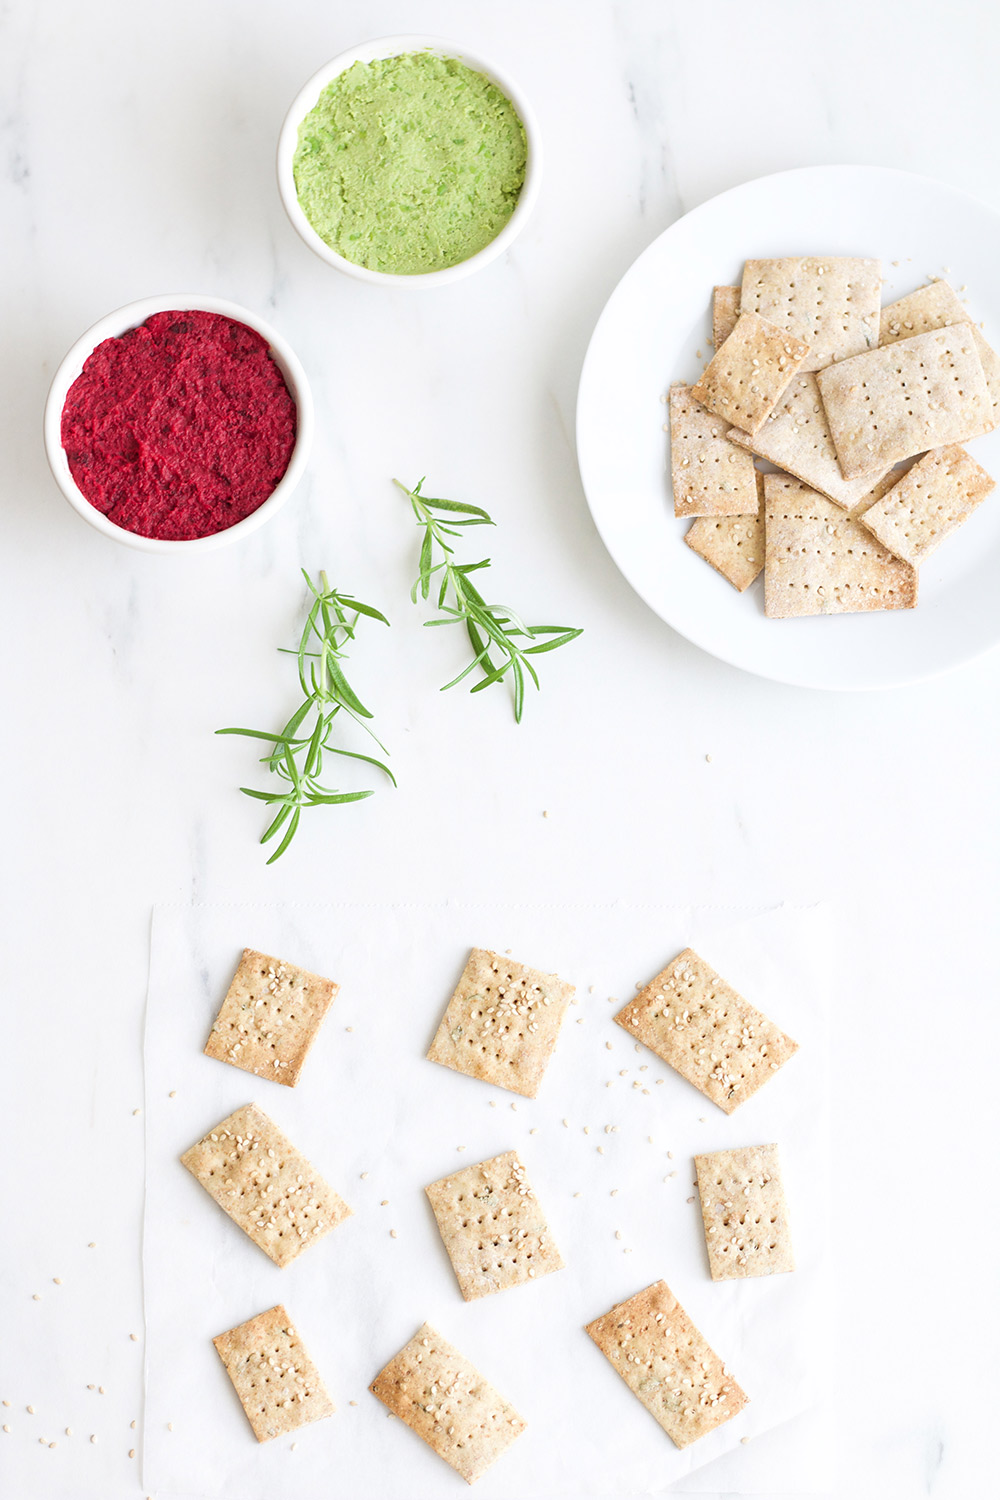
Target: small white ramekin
(117, 323)
(394, 46)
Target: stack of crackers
(861, 410)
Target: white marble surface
(138, 146)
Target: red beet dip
(179, 428)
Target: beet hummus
(181, 427)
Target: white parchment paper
(370, 1103)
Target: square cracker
(936, 306)
(919, 393)
(493, 1228)
(725, 311)
(832, 302)
(270, 1017)
(668, 1364)
(502, 1022)
(929, 503)
(744, 1212)
(705, 1031)
(265, 1185)
(796, 438)
(819, 560)
(445, 1400)
(743, 381)
(732, 545)
(709, 476)
(278, 1385)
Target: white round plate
(650, 332)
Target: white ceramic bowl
(394, 46)
(117, 323)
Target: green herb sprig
(494, 630)
(296, 756)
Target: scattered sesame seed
(385, 1203)
(92, 1388)
(101, 1391)
(709, 759)
(92, 1245)
(689, 1200)
(670, 1156)
(514, 1106)
(93, 1437)
(533, 1130)
(134, 1337)
(459, 1148)
(293, 1447)
(610, 1046)
(591, 988)
(508, 950)
(393, 1234)
(577, 1195)
(544, 814)
(614, 1192)
(137, 1112)
(131, 1453)
(69, 1432)
(701, 1119)
(30, 1410)
(746, 1439)
(600, 1150)
(6, 1427)
(348, 1028)
(363, 1176)
(566, 1123)
(172, 1094)
(352, 1403)
(36, 1297)
(132, 1424)
(170, 1426)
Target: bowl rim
(393, 46)
(120, 321)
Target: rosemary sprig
(296, 756)
(493, 629)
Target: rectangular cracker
(668, 1364)
(923, 392)
(746, 376)
(703, 1029)
(265, 1185)
(819, 560)
(936, 306)
(796, 438)
(492, 1226)
(710, 477)
(502, 1022)
(732, 545)
(270, 1017)
(930, 502)
(725, 311)
(278, 1385)
(744, 1212)
(831, 302)
(445, 1401)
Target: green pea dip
(410, 164)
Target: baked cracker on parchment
(278, 1385)
(732, 545)
(725, 311)
(493, 1227)
(831, 302)
(270, 1017)
(745, 378)
(796, 438)
(709, 476)
(502, 1022)
(744, 1212)
(445, 1400)
(265, 1185)
(703, 1029)
(919, 393)
(938, 494)
(668, 1364)
(818, 560)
